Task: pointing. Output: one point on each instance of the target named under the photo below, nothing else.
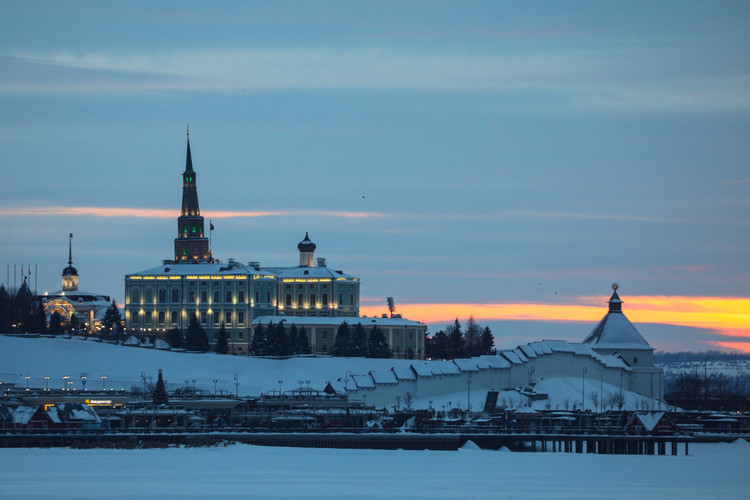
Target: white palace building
(240, 295)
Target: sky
(506, 160)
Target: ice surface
(241, 471)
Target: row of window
(174, 318)
(148, 296)
(313, 299)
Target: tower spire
(191, 243)
(70, 249)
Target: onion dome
(306, 245)
(70, 271)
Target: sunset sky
(508, 160)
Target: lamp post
(280, 382)
(65, 382)
(236, 385)
(83, 381)
(46, 383)
(27, 382)
(583, 389)
(215, 380)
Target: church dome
(306, 245)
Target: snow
(649, 419)
(242, 471)
(123, 366)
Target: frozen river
(242, 471)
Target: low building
(82, 311)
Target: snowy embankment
(241, 471)
(123, 365)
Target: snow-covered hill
(125, 366)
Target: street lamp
(46, 383)
(280, 382)
(583, 388)
(236, 385)
(27, 382)
(83, 380)
(104, 382)
(65, 382)
(215, 380)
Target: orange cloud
(159, 213)
(728, 316)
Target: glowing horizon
(727, 316)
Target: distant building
(233, 293)
(74, 306)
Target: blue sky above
(525, 151)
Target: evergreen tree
(112, 319)
(4, 310)
(455, 340)
(222, 344)
(258, 347)
(73, 324)
(22, 306)
(283, 346)
(359, 341)
(487, 341)
(342, 344)
(196, 338)
(55, 323)
(303, 343)
(160, 392)
(439, 346)
(472, 338)
(377, 346)
(292, 335)
(38, 320)
(174, 338)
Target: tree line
(455, 342)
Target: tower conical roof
(615, 331)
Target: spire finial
(70, 249)
(188, 130)
(615, 286)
